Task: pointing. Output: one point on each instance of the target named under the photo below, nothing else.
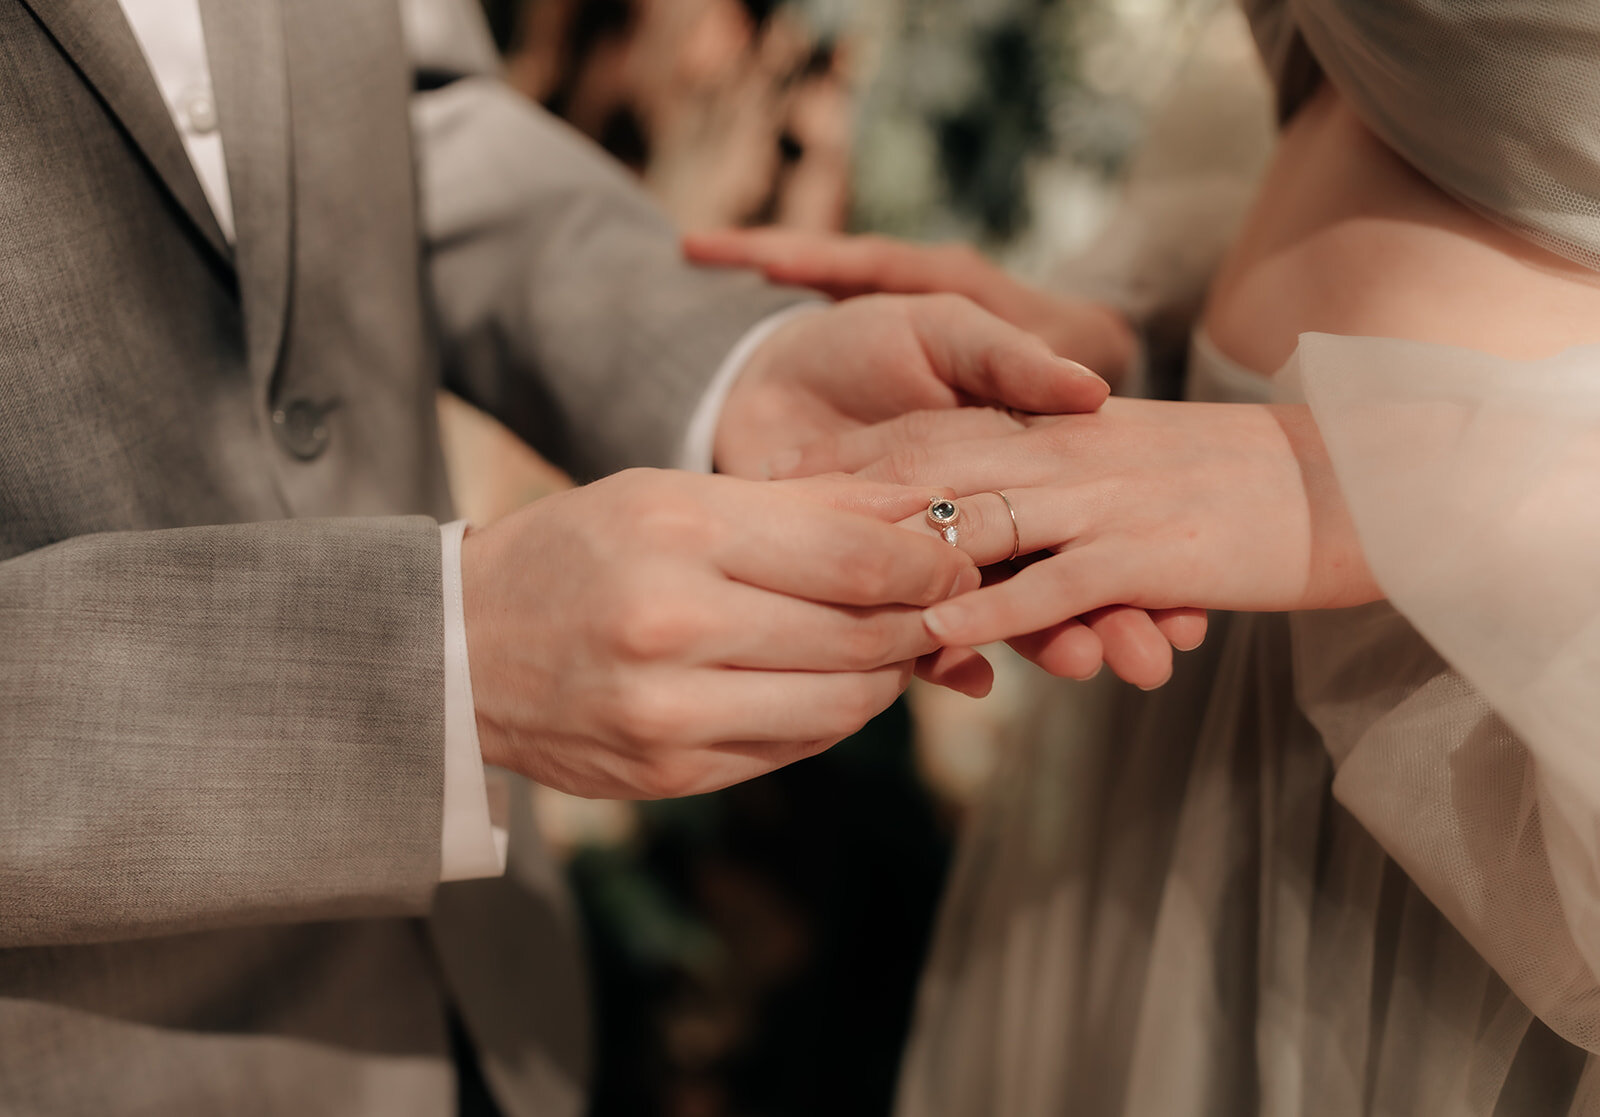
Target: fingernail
(1093, 675)
(1158, 686)
(1075, 369)
(783, 464)
(938, 626)
(968, 580)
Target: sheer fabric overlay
(1475, 484)
(1320, 874)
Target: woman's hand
(846, 266)
(1150, 504)
(1137, 645)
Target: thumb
(993, 363)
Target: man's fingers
(993, 362)
(721, 727)
(784, 707)
(809, 550)
(856, 449)
(775, 632)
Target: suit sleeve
(209, 727)
(562, 298)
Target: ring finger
(996, 526)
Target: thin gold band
(1016, 532)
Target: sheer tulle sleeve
(1466, 730)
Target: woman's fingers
(1135, 648)
(878, 499)
(1122, 637)
(1185, 629)
(857, 449)
(1044, 594)
(993, 527)
(1068, 650)
(805, 548)
(979, 465)
(996, 526)
(963, 670)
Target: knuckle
(869, 644)
(652, 627)
(659, 510)
(670, 777)
(871, 573)
(905, 466)
(867, 697)
(651, 718)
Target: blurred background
(755, 952)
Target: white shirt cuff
(473, 837)
(699, 442)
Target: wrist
(478, 617)
(752, 406)
(1338, 576)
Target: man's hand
(871, 359)
(662, 634)
(847, 266)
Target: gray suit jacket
(220, 622)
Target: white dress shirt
(473, 836)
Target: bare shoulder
(1347, 238)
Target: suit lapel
(96, 37)
(250, 76)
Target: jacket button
(302, 428)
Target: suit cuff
(698, 450)
(473, 837)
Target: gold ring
(1016, 532)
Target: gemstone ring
(943, 514)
